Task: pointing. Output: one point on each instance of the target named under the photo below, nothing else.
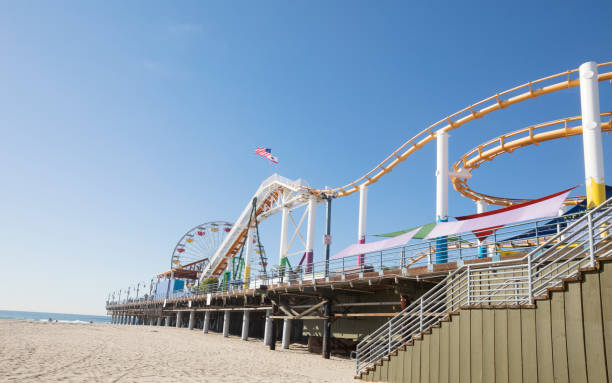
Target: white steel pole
(286, 333)
(283, 236)
(442, 176)
(247, 257)
(481, 207)
(310, 232)
(226, 323)
(591, 135)
(363, 210)
(191, 320)
(268, 328)
(441, 192)
(245, 325)
(206, 322)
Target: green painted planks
(605, 286)
(529, 346)
(407, 375)
(515, 368)
(416, 362)
(544, 341)
(464, 346)
(454, 350)
(574, 334)
(488, 346)
(593, 329)
(376, 375)
(425, 358)
(384, 371)
(396, 367)
(501, 346)
(476, 346)
(434, 356)
(444, 352)
(559, 340)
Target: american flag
(266, 152)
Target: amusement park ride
(281, 195)
(218, 255)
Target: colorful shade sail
(364, 248)
(482, 223)
(423, 231)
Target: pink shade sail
(364, 248)
(539, 208)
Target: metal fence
(517, 240)
(509, 282)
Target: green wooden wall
(567, 338)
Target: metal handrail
(560, 256)
(396, 261)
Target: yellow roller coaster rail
(509, 142)
(493, 103)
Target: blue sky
(125, 124)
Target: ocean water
(67, 318)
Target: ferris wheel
(199, 243)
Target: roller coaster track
(273, 193)
(276, 192)
(490, 104)
(509, 142)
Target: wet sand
(72, 352)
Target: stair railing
(510, 282)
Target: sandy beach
(69, 352)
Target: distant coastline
(43, 316)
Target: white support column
(441, 192)
(286, 333)
(591, 135)
(159, 320)
(310, 232)
(179, 318)
(481, 207)
(441, 176)
(191, 319)
(167, 321)
(363, 212)
(245, 325)
(226, 322)
(206, 325)
(283, 237)
(247, 257)
(268, 328)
